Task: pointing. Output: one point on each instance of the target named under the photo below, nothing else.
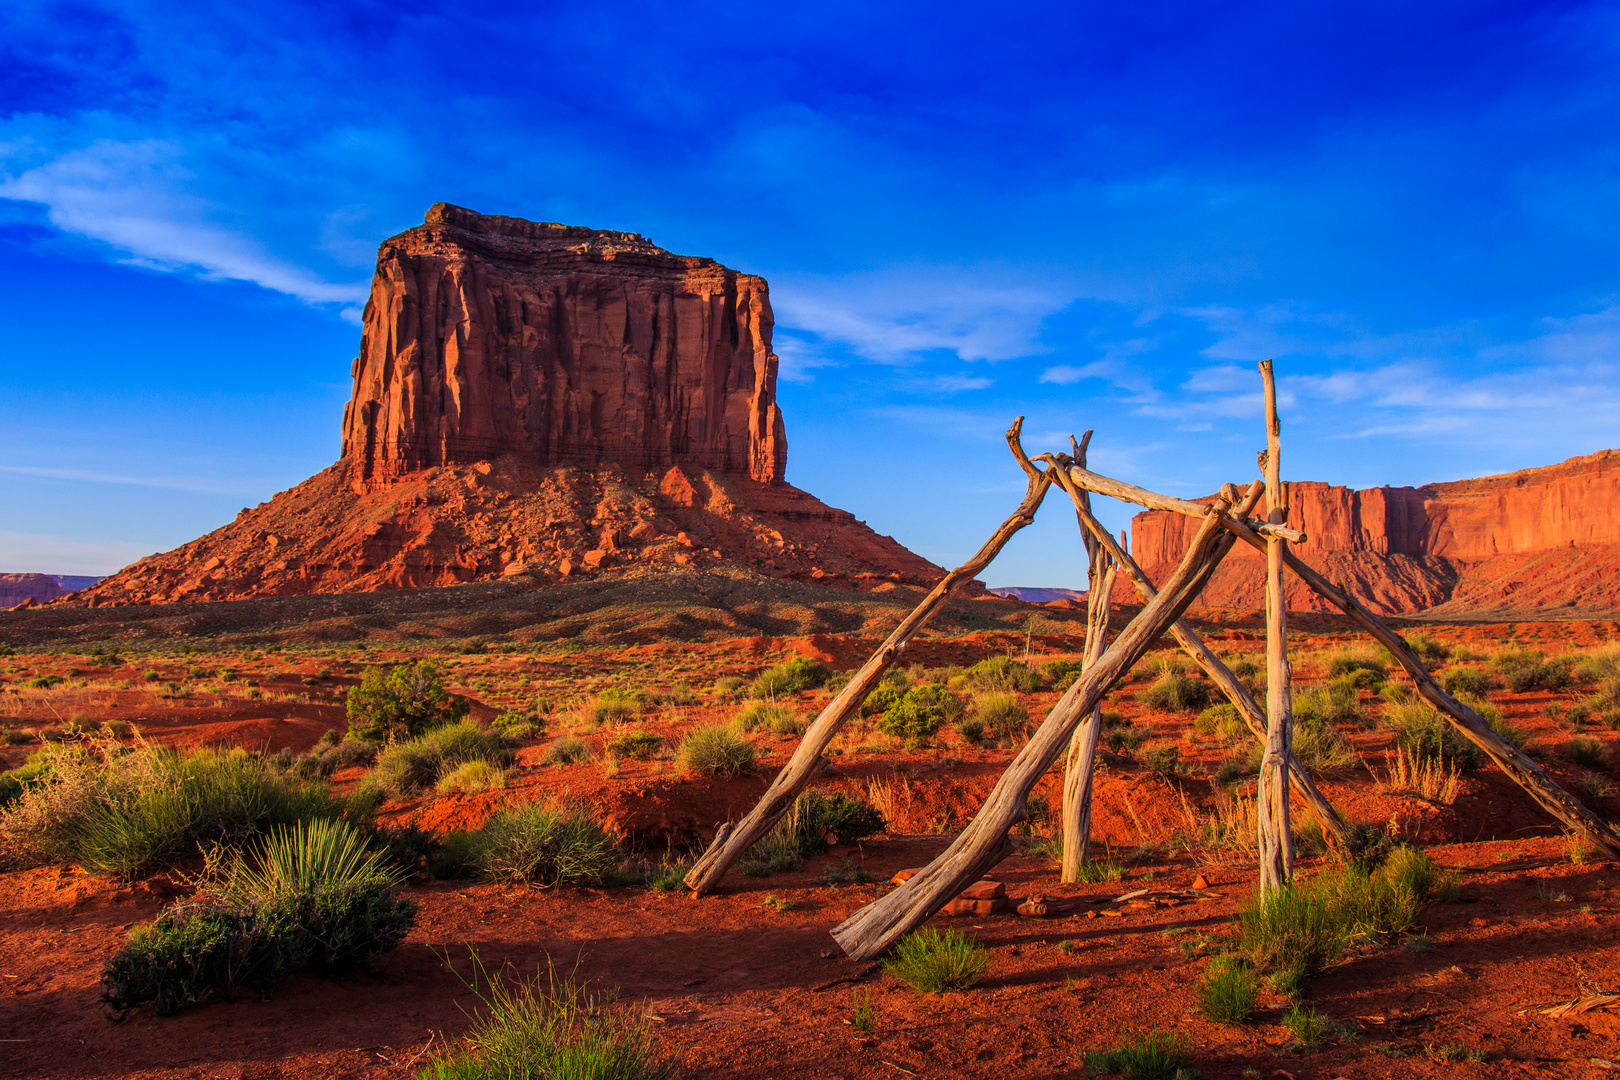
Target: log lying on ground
(731, 842)
(872, 930)
(1333, 823)
(1524, 772)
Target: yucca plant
(306, 858)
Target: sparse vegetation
(401, 702)
(999, 715)
(790, 677)
(933, 962)
(1174, 692)
(717, 750)
(1146, 1055)
(406, 768)
(542, 843)
(1228, 990)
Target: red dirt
(742, 989)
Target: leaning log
(731, 842)
(872, 930)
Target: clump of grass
(1228, 990)
(567, 750)
(817, 820)
(1425, 733)
(717, 750)
(1101, 870)
(933, 962)
(406, 768)
(1174, 692)
(770, 715)
(551, 1029)
(1309, 1027)
(542, 843)
(1422, 776)
(614, 707)
(1585, 750)
(634, 744)
(1350, 662)
(1429, 650)
(790, 677)
(472, 776)
(1293, 929)
(863, 1017)
(1467, 682)
(1000, 716)
(1004, 674)
(1146, 1055)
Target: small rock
(984, 890)
(1200, 882)
(903, 876)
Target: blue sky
(1096, 215)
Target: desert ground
(747, 983)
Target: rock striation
(487, 336)
(539, 402)
(1540, 539)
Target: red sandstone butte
(538, 402)
(1538, 540)
(489, 335)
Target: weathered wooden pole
(1333, 823)
(1079, 766)
(732, 841)
(874, 928)
(1276, 840)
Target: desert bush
(1423, 776)
(1123, 738)
(308, 897)
(567, 750)
(614, 707)
(1146, 1055)
(1467, 682)
(119, 811)
(408, 767)
(1585, 750)
(1062, 672)
(471, 776)
(1432, 652)
(763, 714)
(1002, 673)
(717, 750)
(401, 702)
(517, 725)
(634, 744)
(1335, 702)
(556, 1030)
(1349, 662)
(730, 687)
(888, 692)
(1228, 990)
(1600, 665)
(790, 677)
(932, 962)
(541, 843)
(1247, 671)
(1426, 734)
(1294, 929)
(999, 715)
(1319, 744)
(1545, 675)
(817, 819)
(918, 715)
(1177, 693)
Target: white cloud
(172, 483)
(1067, 374)
(133, 196)
(952, 384)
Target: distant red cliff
(1537, 540)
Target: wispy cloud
(171, 483)
(137, 197)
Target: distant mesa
(540, 402)
(41, 588)
(1036, 595)
(1543, 540)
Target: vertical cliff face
(488, 336)
(1538, 538)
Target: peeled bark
(1276, 838)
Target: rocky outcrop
(488, 336)
(20, 588)
(1538, 539)
(540, 402)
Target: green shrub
(717, 750)
(790, 677)
(1599, 666)
(406, 768)
(517, 725)
(1000, 716)
(1291, 929)
(1319, 744)
(551, 1031)
(918, 715)
(1063, 672)
(1429, 650)
(471, 776)
(1123, 738)
(1348, 663)
(1228, 990)
(1148, 1055)
(1176, 693)
(1002, 673)
(1247, 671)
(817, 819)
(309, 897)
(542, 844)
(1546, 675)
(932, 962)
(1331, 703)
(614, 707)
(567, 750)
(1467, 682)
(730, 687)
(1585, 750)
(888, 692)
(401, 702)
(1101, 870)
(634, 744)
